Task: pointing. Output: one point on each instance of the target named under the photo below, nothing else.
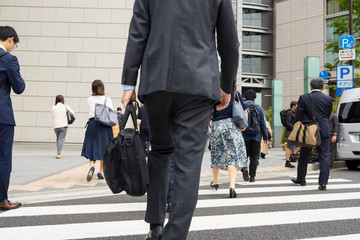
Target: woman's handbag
(104, 115)
(70, 116)
(238, 114)
(306, 134)
(125, 167)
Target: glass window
(251, 64)
(333, 7)
(253, 1)
(349, 112)
(331, 57)
(251, 17)
(251, 40)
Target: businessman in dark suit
(322, 107)
(10, 78)
(174, 43)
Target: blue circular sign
(324, 74)
(346, 41)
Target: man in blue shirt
(253, 138)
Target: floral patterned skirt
(227, 145)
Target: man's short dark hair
(8, 32)
(317, 83)
(119, 109)
(293, 103)
(250, 95)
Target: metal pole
(351, 23)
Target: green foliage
(268, 115)
(341, 27)
(335, 103)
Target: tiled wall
(64, 46)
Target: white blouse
(59, 114)
(97, 99)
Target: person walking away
(144, 130)
(228, 151)
(334, 129)
(264, 150)
(290, 116)
(322, 111)
(10, 78)
(59, 117)
(97, 135)
(179, 85)
(252, 134)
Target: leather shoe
(155, 234)
(7, 205)
(296, 181)
(322, 187)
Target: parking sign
(344, 78)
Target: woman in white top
(97, 135)
(60, 122)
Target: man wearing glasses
(10, 78)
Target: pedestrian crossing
(262, 205)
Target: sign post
(344, 78)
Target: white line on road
(274, 182)
(292, 188)
(340, 237)
(141, 206)
(123, 228)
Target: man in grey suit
(174, 43)
(322, 111)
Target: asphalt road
(272, 208)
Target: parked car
(348, 146)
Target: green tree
(341, 27)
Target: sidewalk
(36, 171)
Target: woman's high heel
(216, 186)
(232, 193)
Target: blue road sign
(346, 41)
(344, 78)
(324, 74)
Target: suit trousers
(332, 154)
(6, 145)
(253, 152)
(178, 125)
(323, 156)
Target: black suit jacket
(322, 106)
(10, 78)
(174, 43)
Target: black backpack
(253, 120)
(125, 167)
(283, 116)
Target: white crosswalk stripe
(268, 193)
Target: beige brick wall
(299, 32)
(64, 46)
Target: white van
(348, 146)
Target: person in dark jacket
(176, 44)
(290, 116)
(322, 110)
(253, 141)
(10, 78)
(334, 129)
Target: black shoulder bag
(125, 167)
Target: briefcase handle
(130, 110)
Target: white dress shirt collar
(1, 46)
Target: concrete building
(64, 46)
